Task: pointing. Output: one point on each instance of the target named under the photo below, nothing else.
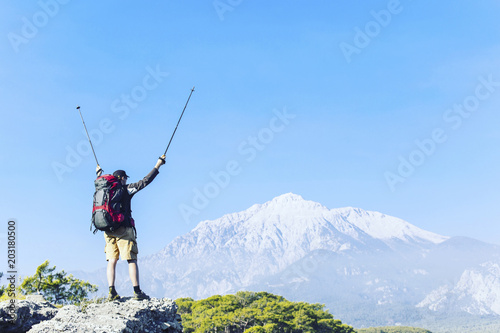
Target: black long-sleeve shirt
(132, 189)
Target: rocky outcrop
(477, 292)
(28, 313)
(125, 315)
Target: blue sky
(389, 106)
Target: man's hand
(98, 170)
(161, 161)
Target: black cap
(120, 174)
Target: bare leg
(133, 271)
(111, 271)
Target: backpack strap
(95, 229)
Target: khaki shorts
(121, 242)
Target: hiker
(123, 241)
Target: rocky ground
(125, 315)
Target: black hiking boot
(139, 296)
(113, 297)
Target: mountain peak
(291, 202)
(287, 197)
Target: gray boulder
(126, 315)
(28, 312)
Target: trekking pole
(78, 108)
(165, 153)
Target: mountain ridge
(356, 223)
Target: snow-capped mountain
(368, 268)
(295, 226)
(243, 247)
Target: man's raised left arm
(136, 187)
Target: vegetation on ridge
(56, 287)
(259, 312)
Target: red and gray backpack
(106, 215)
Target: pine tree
(260, 312)
(56, 287)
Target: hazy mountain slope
(477, 292)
